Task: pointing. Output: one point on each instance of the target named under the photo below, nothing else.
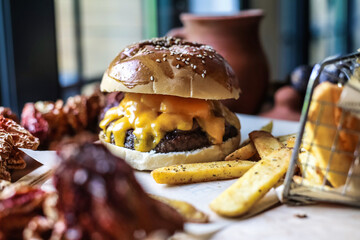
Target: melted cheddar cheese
(152, 116)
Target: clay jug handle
(177, 32)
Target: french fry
(247, 150)
(253, 185)
(285, 138)
(308, 164)
(268, 127)
(244, 152)
(326, 130)
(188, 211)
(264, 142)
(305, 182)
(290, 143)
(309, 168)
(201, 172)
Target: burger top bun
(171, 66)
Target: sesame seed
(210, 57)
(178, 66)
(203, 61)
(188, 59)
(181, 55)
(151, 78)
(172, 54)
(204, 71)
(178, 58)
(164, 59)
(158, 60)
(186, 62)
(164, 55)
(183, 60)
(157, 48)
(203, 75)
(194, 67)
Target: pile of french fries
(259, 164)
(239, 198)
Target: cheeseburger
(171, 113)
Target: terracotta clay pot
(236, 38)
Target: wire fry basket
(325, 164)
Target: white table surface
(323, 221)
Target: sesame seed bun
(171, 66)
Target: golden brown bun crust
(171, 66)
(153, 160)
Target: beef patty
(178, 141)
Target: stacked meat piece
(51, 121)
(12, 137)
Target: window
(50, 49)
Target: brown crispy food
(18, 205)
(39, 227)
(21, 137)
(29, 213)
(16, 161)
(12, 137)
(51, 121)
(6, 144)
(82, 137)
(99, 196)
(47, 226)
(6, 148)
(4, 174)
(76, 113)
(6, 112)
(45, 120)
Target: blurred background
(52, 49)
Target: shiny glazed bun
(171, 66)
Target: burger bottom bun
(152, 160)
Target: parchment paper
(200, 194)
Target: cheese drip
(152, 116)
